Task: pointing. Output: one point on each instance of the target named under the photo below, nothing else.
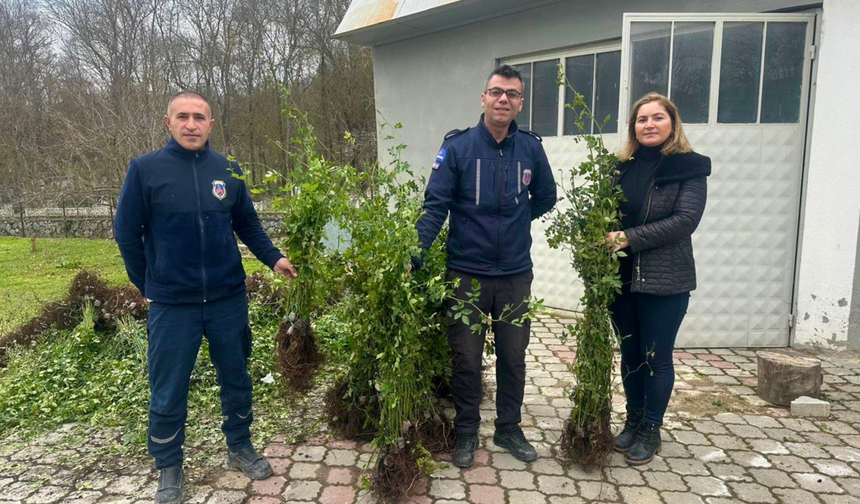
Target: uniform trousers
(467, 350)
(175, 334)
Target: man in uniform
(492, 180)
(177, 212)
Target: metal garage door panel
(745, 245)
(555, 280)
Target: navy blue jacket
(174, 225)
(492, 191)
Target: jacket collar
(513, 129)
(676, 167)
(173, 147)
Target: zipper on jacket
(639, 255)
(200, 223)
(478, 183)
(499, 187)
(519, 181)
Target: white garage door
(741, 83)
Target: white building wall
(432, 84)
(829, 235)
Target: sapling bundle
(311, 199)
(397, 344)
(582, 228)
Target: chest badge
(527, 176)
(219, 189)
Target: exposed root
(111, 303)
(345, 417)
(589, 445)
(399, 467)
(298, 356)
(436, 434)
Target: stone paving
(721, 445)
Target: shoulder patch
(531, 133)
(455, 132)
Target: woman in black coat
(664, 183)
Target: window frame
(560, 55)
(716, 57)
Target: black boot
(647, 444)
(627, 437)
(464, 450)
(516, 443)
(169, 486)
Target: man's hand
(616, 240)
(285, 267)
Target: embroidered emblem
(219, 189)
(435, 165)
(440, 156)
(527, 176)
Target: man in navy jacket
(177, 212)
(490, 181)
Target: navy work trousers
(175, 335)
(648, 325)
(467, 350)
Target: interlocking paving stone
(762, 455)
(517, 479)
(527, 497)
(707, 486)
(486, 494)
(447, 489)
(681, 498)
(639, 495)
(556, 485)
(301, 490)
(817, 483)
(796, 496)
(269, 486)
(752, 492)
(337, 495)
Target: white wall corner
(831, 219)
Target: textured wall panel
(744, 247)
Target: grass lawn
(30, 279)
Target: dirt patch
(111, 303)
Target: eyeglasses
(496, 92)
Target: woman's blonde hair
(677, 141)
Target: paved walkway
(721, 445)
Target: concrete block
(808, 407)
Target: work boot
(169, 486)
(647, 444)
(464, 450)
(515, 442)
(254, 465)
(627, 437)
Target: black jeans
(648, 325)
(467, 350)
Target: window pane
(691, 70)
(740, 66)
(607, 96)
(579, 72)
(650, 59)
(545, 98)
(523, 117)
(783, 72)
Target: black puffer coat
(660, 244)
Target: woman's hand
(616, 240)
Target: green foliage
(396, 344)
(582, 230)
(99, 378)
